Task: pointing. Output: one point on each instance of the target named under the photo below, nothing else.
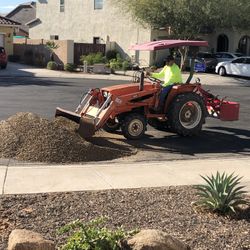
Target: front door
(1, 40)
(246, 67)
(236, 66)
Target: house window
(62, 6)
(96, 40)
(54, 37)
(98, 4)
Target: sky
(7, 5)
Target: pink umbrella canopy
(166, 44)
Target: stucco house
(100, 21)
(23, 13)
(7, 30)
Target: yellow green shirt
(170, 75)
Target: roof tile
(7, 21)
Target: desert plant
(126, 65)
(116, 64)
(93, 236)
(52, 65)
(70, 67)
(52, 46)
(93, 58)
(221, 193)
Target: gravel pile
(28, 137)
(167, 209)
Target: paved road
(43, 95)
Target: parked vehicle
(200, 64)
(210, 60)
(226, 56)
(3, 58)
(239, 66)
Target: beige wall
(233, 37)
(80, 22)
(8, 34)
(64, 54)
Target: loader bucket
(87, 127)
(68, 114)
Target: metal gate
(85, 49)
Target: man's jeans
(164, 94)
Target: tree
(188, 18)
(52, 46)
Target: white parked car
(239, 66)
(226, 56)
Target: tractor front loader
(130, 107)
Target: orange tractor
(131, 107)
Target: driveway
(17, 70)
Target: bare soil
(169, 209)
(28, 137)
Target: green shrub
(116, 64)
(93, 236)
(221, 193)
(126, 65)
(111, 54)
(92, 58)
(69, 67)
(52, 65)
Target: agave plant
(221, 193)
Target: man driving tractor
(171, 74)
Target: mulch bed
(168, 209)
(28, 137)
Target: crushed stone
(28, 137)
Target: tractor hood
(126, 89)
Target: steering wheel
(154, 80)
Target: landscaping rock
(28, 137)
(28, 240)
(155, 240)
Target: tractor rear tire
(111, 126)
(187, 114)
(134, 126)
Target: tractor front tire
(187, 114)
(111, 126)
(134, 126)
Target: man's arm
(159, 75)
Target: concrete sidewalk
(100, 176)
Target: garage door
(1, 40)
